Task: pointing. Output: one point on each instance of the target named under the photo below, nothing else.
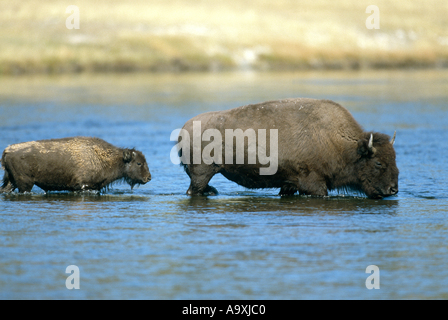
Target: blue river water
(155, 242)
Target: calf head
(376, 170)
(136, 169)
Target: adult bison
(73, 164)
(315, 146)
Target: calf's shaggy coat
(73, 164)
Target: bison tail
(184, 165)
(7, 185)
(2, 160)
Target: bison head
(376, 169)
(136, 168)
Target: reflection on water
(67, 197)
(156, 242)
(294, 205)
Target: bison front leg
(200, 175)
(313, 184)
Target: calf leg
(24, 184)
(7, 186)
(18, 173)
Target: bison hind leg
(211, 191)
(7, 186)
(200, 176)
(288, 190)
(24, 185)
(207, 191)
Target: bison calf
(73, 164)
(315, 146)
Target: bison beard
(321, 147)
(72, 164)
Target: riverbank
(176, 36)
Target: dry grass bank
(175, 35)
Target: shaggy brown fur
(321, 147)
(73, 164)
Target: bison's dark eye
(139, 164)
(378, 165)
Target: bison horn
(393, 138)
(370, 145)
